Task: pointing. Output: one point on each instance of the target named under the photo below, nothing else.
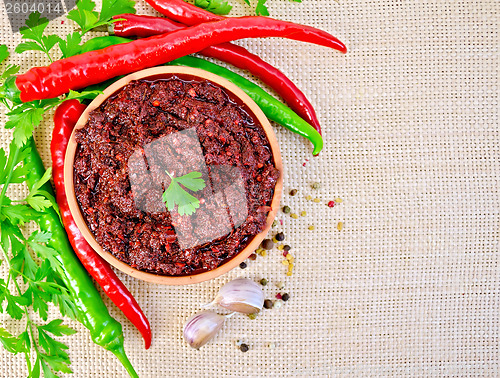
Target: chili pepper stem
(119, 352)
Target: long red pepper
(146, 26)
(180, 11)
(95, 67)
(65, 118)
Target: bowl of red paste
(173, 175)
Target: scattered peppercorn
(244, 347)
(331, 203)
(311, 227)
(252, 316)
(268, 304)
(243, 265)
(285, 297)
(278, 304)
(308, 198)
(274, 224)
(303, 213)
(267, 244)
(316, 185)
(278, 296)
(281, 247)
(263, 282)
(286, 248)
(280, 236)
(317, 200)
(294, 216)
(293, 192)
(340, 226)
(338, 200)
(280, 285)
(285, 253)
(253, 257)
(286, 209)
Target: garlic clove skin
(241, 295)
(202, 327)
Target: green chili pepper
(272, 108)
(91, 310)
(98, 43)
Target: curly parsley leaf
(71, 45)
(214, 6)
(8, 341)
(176, 195)
(4, 53)
(84, 15)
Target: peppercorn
(285, 297)
(263, 282)
(293, 192)
(243, 265)
(274, 224)
(286, 248)
(280, 236)
(268, 304)
(303, 213)
(253, 257)
(311, 227)
(331, 203)
(252, 316)
(317, 200)
(315, 185)
(244, 347)
(267, 244)
(294, 216)
(286, 209)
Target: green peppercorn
(280, 236)
(286, 248)
(267, 244)
(275, 223)
(315, 185)
(293, 192)
(286, 209)
(243, 265)
(268, 304)
(263, 282)
(285, 297)
(244, 348)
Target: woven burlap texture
(410, 285)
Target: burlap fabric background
(410, 285)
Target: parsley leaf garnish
(214, 6)
(33, 31)
(176, 195)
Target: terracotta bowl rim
(158, 73)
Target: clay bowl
(159, 73)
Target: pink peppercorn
(278, 296)
(331, 204)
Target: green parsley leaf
(71, 45)
(84, 15)
(214, 6)
(261, 9)
(13, 309)
(4, 53)
(33, 31)
(24, 121)
(84, 95)
(176, 195)
(8, 341)
(57, 328)
(112, 8)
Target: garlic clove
(202, 327)
(241, 295)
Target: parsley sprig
(32, 282)
(176, 195)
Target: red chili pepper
(180, 11)
(65, 118)
(145, 26)
(95, 67)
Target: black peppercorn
(293, 192)
(243, 265)
(286, 248)
(244, 347)
(285, 297)
(280, 236)
(268, 303)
